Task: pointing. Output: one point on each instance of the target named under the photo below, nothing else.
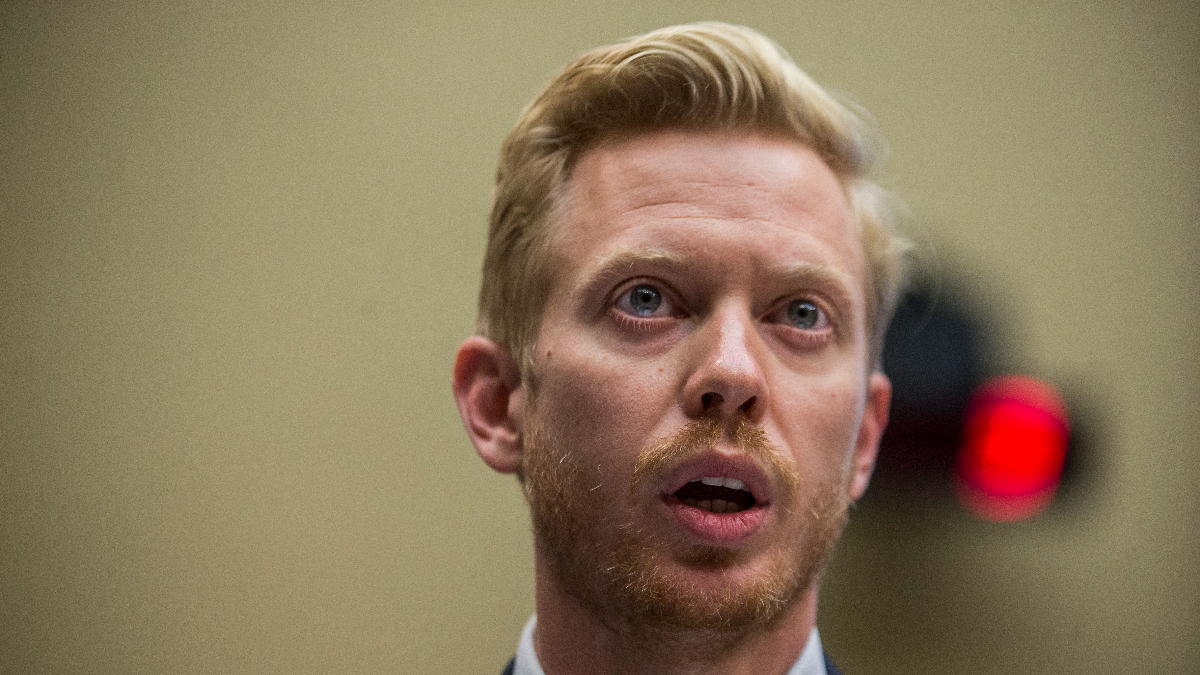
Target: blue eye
(803, 314)
(645, 299)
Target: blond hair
(703, 77)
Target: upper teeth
(718, 481)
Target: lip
(719, 529)
(732, 464)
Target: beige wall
(240, 245)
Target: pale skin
(733, 232)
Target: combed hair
(702, 77)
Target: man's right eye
(644, 300)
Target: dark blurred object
(1007, 463)
(932, 356)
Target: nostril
(710, 399)
(748, 404)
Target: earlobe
(870, 431)
(487, 387)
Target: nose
(728, 378)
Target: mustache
(700, 436)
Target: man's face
(697, 427)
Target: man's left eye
(804, 314)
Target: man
(686, 286)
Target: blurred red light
(1014, 446)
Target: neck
(571, 639)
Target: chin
(713, 590)
(646, 586)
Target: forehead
(642, 169)
(723, 198)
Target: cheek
(819, 422)
(600, 407)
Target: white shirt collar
(811, 661)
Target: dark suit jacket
(829, 667)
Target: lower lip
(718, 529)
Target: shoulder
(830, 667)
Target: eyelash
(635, 323)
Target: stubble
(632, 576)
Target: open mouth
(716, 494)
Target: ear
(487, 386)
(870, 431)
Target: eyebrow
(800, 274)
(834, 284)
(816, 275)
(624, 259)
(620, 262)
